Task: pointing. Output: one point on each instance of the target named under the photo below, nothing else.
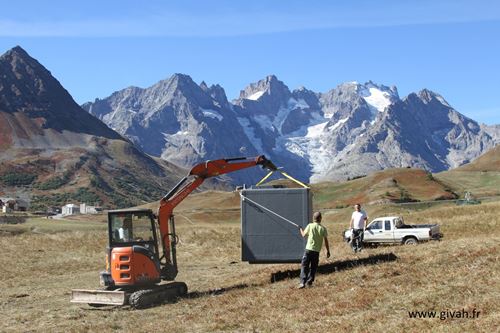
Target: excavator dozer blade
(105, 297)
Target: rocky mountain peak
(216, 92)
(27, 88)
(427, 96)
(270, 85)
(182, 78)
(391, 92)
(204, 86)
(303, 90)
(16, 51)
(310, 97)
(219, 95)
(178, 81)
(25, 73)
(176, 88)
(175, 82)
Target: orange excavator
(135, 267)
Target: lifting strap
(243, 198)
(284, 174)
(293, 179)
(264, 179)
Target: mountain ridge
(350, 130)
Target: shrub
(53, 183)
(41, 202)
(84, 195)
(17, 178)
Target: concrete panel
(266, 238)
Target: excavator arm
(188, 184)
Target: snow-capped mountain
(421, 130)
(177, 119)
(348, 131)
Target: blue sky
(95, 48)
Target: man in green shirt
(315, 234)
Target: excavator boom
(188, 184)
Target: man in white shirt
(358, 226)
(125, 231)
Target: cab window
(375, 225)
(387, 225)
(130, 227)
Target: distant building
(54, 210)
(70, 209)
(86, 209)
(13, 204)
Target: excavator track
(138, 299)
(159, 294)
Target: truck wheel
(410, 241)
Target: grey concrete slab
(267, 238)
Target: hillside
(489, 161)
(388, 186)
(53, 152)
(481, 177)
(393, 185)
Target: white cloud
(233, 22)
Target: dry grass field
(44, 259)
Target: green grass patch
(479, 183)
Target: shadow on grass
(278, 276)
(171, 300)
(215, 292)
(336, 266)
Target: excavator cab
(133, 257)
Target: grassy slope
(111, 172)
(481, 176)
(459, 272)
(386, 186)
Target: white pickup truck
(392, 229)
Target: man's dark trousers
(309, 265)
(357, 239)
